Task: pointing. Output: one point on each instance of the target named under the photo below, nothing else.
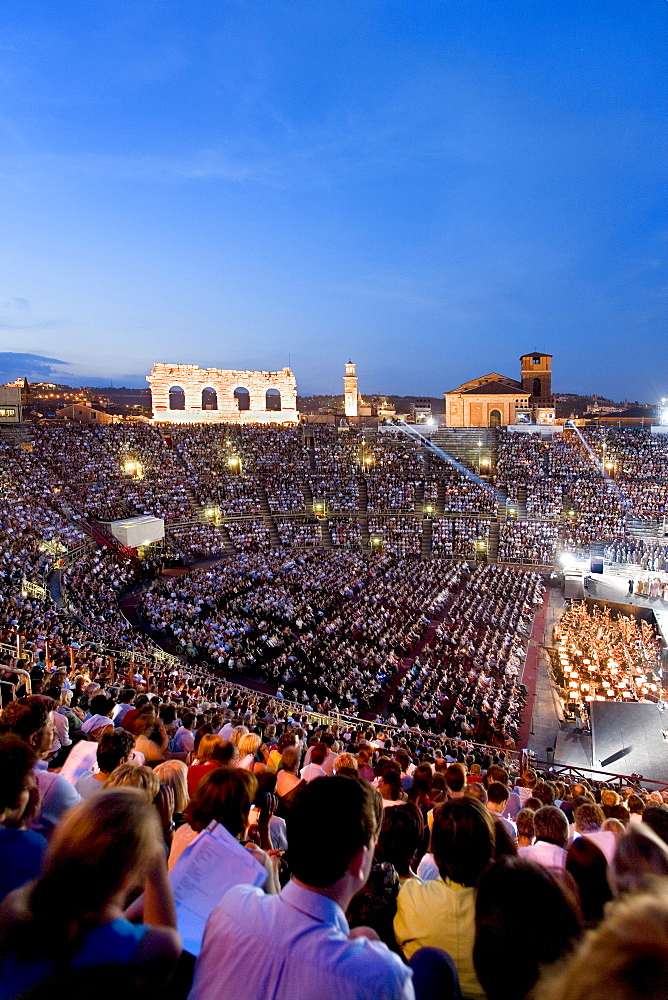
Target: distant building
(495, 400)
(422, 411)
(11, 411)
(84, 413)
(382, 407)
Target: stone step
(426, 542)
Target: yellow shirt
(439, 914)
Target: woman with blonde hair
(237, 734)
(130, 776)
(206, 747)
(174, 774)
(249, 745)
(70, 920)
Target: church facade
(495, 400)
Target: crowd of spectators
(466, 679)
(411, 860)
(457, 539)
(528, 542)
(600, 482)
(348, 862)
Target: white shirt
(428, 869)
(294, 946)
(547, 855)
(312, 771)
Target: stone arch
(537, 388)
(273, 400)
(177, 397)
(242, 397)
(209, 398)
(495, 418)
(248, 404)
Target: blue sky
(428, 187)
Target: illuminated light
(233, 461)
(368, 460)
(133, 468)
(429, 509)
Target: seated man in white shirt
(297, 945)
(315, 769)
(551, 828)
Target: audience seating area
(310, 697)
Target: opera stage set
(609, 664)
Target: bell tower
(537, 378)
(350, 390)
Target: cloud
(39, 368)
(34, 367)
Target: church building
(495, 400)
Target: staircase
(426, 540)
(227, 541)
(441, 498)
(522, 503)
(493, 542)
(326, 534)
(16, 434)
(363, 515)
(418, 498)
(267, 517)
(462, 443)
(195, 505)
(308, 497)
(637, 527)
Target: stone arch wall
(194, 380)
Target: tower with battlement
(537, 378)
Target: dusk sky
(428, 187)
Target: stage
(626, 738)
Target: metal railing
(589, 773)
